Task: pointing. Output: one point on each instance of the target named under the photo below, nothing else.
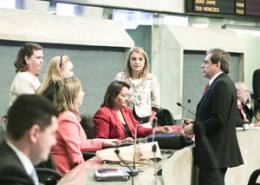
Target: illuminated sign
(229, 7)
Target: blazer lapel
(128, 121)
(116, 120)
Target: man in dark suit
(216, 145)
(31, 129)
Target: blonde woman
(71, 138)
(144, 93)
(59, 67)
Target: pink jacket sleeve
(75, 139)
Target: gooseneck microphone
(154, 150)
(135, 152)
(180, 105)
(154, 125)
(132, 172)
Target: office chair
(48, 176)
(253, 177)
(88, 126)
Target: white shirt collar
(214, 77)
(27, 164)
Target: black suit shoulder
(12, 171)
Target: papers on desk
(142, 151)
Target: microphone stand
(132, 172)
(154, 125)
(180, 105)
(154, 149)
(135, 142)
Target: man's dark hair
(26, 111)
(26, 50)
(219, 55)
(112, 91)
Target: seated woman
(59, 67)
(244, 103)
(71, 138)
(115, 120)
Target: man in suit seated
(30, 134)
(244, 102)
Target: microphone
(132, 172)
(154, 125)
(154, 149)
(135, 153)
(180, 105)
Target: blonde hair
(66, 94)
(53, 73)
(128, 69)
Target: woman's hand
(164, 129)
(127, 140)
(109, 142)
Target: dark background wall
(95, 66)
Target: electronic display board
(224, 7)
(253, 7)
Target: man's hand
(188, 130)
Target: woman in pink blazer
(71, 138)
(115, 120)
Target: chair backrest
(88, 126)
(165, 117)
(48, 176)
(253, 177)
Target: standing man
(31, 132)
(28, 65)
(216, 145)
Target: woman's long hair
(53, 73)
(66, 94)
(112, 92)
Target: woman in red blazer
(115, 120)
(71, 138)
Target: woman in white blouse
(28, 65)
(144, 94)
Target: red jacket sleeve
(141, 131)
(101, 124)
